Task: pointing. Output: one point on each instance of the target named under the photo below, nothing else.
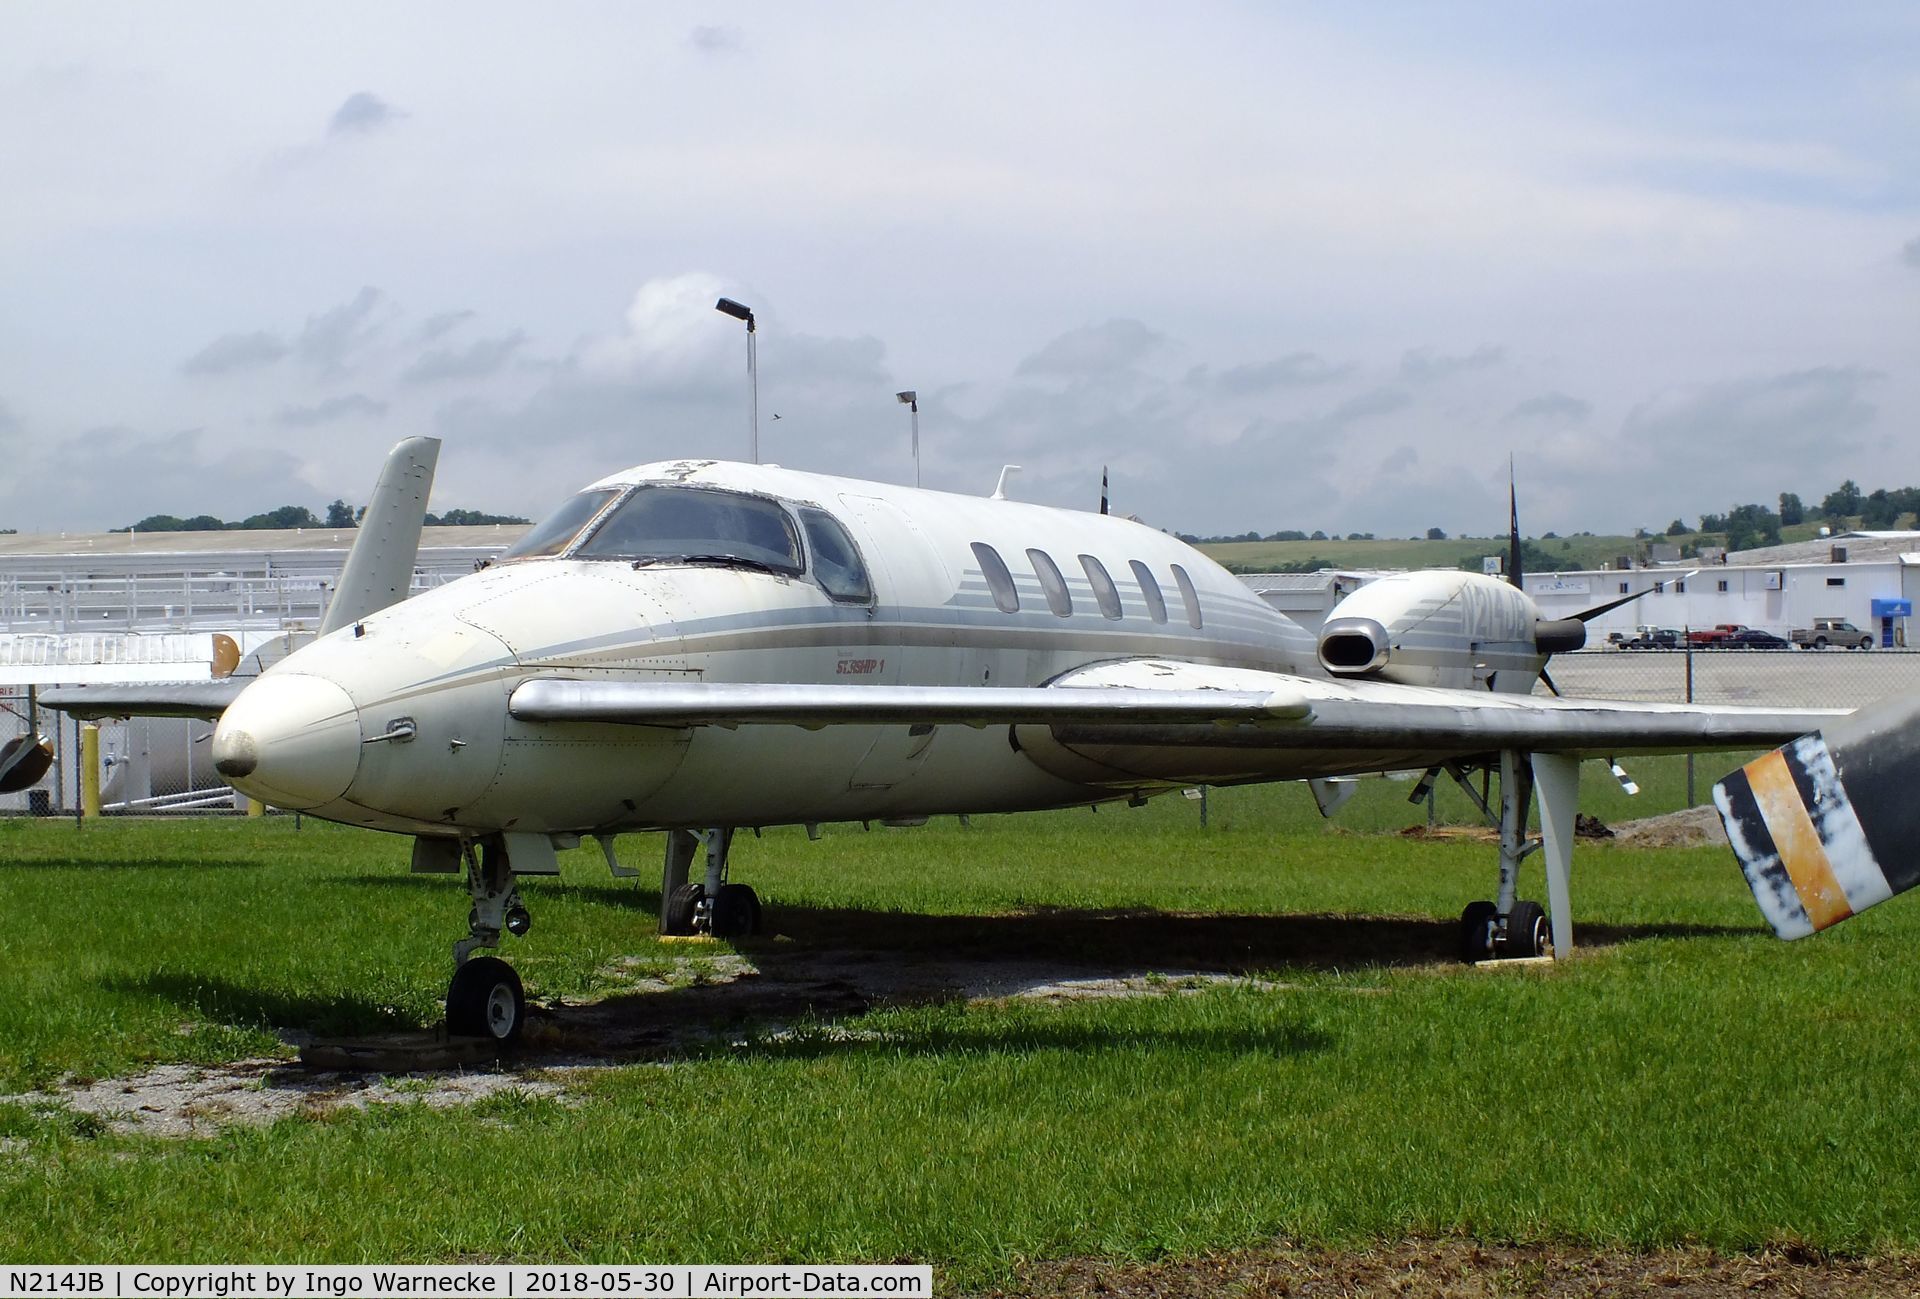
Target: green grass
(1689, 1078)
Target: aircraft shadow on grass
(818, 968)
(225, 1001)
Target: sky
(1275, 266)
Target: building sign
(1893, 608)
(1559, 586)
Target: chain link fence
(1829, 678)
(148, 765)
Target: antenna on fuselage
(911, 400)
(1000, 488)
(739, 311)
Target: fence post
(1690, 797)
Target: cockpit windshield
(556, 532)
(667, 523)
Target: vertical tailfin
(379, 568)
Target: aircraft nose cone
(290, 740)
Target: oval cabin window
(1058, 598)
(1105, 594)
(999, 580)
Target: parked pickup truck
(1832, 631)
(1715, 634)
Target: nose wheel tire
(736, 912)
(485, 1000)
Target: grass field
(1686, 1078)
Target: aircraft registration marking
(859, 667)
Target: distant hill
(1582, 551)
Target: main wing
(1180, 721)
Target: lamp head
(728, 307)
(908, 399)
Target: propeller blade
(1514, 574)
(23, 760)
(1548, 678)
(1588, 615)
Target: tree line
(287, 517)
(1751, 525)
(1744, 526)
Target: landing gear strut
(714, 906)
(1511, 927)
(485, 998)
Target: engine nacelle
(1441, 629)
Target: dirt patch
(179, 1100)
(1461, 1269)
(1694, 825)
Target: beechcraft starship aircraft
(698, 646)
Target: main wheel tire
(485, 1000)
(736, 912)
(1528, 933)
(680, 908)
(1476, 931)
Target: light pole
(728, 307)
(911, 400)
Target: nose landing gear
(485, 998)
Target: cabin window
(556, 532)
(1149, 590)
(1105, 594)
(670, 524)
(999, 580)
(836, 560)
(1188, 596)
(1058, 598)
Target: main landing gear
(1510, 927)
(485, 998)
(714, 906)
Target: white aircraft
(698, 646)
